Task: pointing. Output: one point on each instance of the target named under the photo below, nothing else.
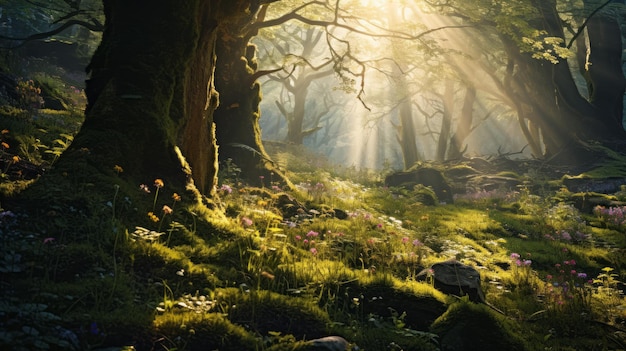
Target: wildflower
(48, 240)
(298, 237)
(158, 183)
(313, 251)
(527, 262)
(226, 189)
(267, 275)
(153, 217)
(312, 234)
(276, 188)
(379, 225)
(118, 169)
(573, 272)
(167, 210)
(16, 159)
(176, 197)
(582, 275)
(5, 145)
(405, 239)
(262, 203)
(549, 277)
(416, 242)
(515, 256)
(4, 131)
(246, 222)
(144, 188)
(305, 241)
(181, 272)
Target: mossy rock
(199, 332)
(420, 303)
(587, 201)
(469, 326)
(427, 177)
(264, 312)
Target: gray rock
(454, 278)
(329, 343)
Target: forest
(331, 175)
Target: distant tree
(297, 80)
(538, 79)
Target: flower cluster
(612, 215)
(308, 241)
(567, 285)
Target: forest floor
(340, 254)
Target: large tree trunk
(237, 118)
(549, 98)
(151, 101)
(606, 80)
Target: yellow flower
(118, 169)
(176, 197)
(153, 217)
(16, 159)
(5, 145)
(167, 210)
(158, 183)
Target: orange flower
(153, 217)
(167, 210)
(16, 159)
(176, 197)
(158, 183)
(118, 169)
(5, 145)
(4, 131)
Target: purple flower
(515, 256)
(246, 222)
(416, 242)
(93, 328)
(582, 275)
(226, 188)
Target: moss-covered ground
(337, 255)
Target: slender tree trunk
(446, 120)
(464, 126)
(407, 138)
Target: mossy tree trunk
(550, 101)
(151, 99)
(237, 118)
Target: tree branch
(64, 26)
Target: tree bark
(606, 78)
(151, 100)
(464, 126)
(237, 118)
(446, 120)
